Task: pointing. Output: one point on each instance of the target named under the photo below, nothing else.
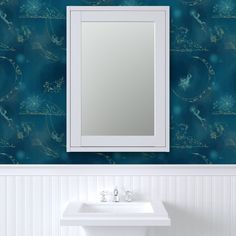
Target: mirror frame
(159, 142)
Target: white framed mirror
(117, 79)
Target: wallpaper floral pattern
(33, 82)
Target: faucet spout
(116, 195)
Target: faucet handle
(128, 196)
(103, 196)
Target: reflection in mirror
(117, 78)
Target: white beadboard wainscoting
(201, 200)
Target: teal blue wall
(33, 78)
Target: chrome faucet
(116, 195)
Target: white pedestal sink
(115, 219)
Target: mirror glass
(117, 78)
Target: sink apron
(115, 231)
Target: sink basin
(112, 214)
(116, 208)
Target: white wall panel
(3, 207)
(199, 205)
(11, 197)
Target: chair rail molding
(120, 170)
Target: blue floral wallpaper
(33, 81)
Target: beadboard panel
(198, 205)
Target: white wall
(201, 200)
